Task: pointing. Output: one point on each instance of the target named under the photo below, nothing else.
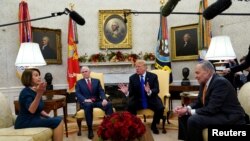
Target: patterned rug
(73, 128)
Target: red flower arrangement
(121, 126)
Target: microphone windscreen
(169, 7)
(216, 8)
(77, 18)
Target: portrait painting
(114, 32)
(49, 41)
(185, 42)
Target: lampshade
(220, 48)
(29, 55)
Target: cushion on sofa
(37, 134)
(6, 119)
(8, 133)
(16, 138)
(205, 134)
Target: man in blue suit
(90, 94)
(143, 92)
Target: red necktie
(89, 85)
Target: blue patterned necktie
(143, 96)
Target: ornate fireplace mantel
(115, 72)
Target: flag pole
(73, 67)
(162, 2)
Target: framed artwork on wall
(49, 41)
(114, 33)
(185, 42)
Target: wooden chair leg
(168, 114)
(144, 116)
(164, 131)
(79, 124)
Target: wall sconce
(220, 48)
(29, 55)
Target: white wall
(88, 34)
(144, 31)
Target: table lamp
(221, 49)
(29, 55)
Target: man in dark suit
(216, 105)
(47, 51)
(143, 92)
(242, 66)
(90, 94)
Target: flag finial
(71, 5)
(162, 2)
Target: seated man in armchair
(217, 105)
(90, 94)
(142, 92)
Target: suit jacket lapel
(209, 87)
(138, 79)
(147, 77)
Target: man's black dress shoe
(90, 134)
(155, 130)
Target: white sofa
(8, 133)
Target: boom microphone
(169, 7)
(75, 16)
(216, 8)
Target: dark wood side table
(51, 103)
(177, 89)
(64, 92)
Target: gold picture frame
(185, 42)
(52, 52)
(114, 33)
